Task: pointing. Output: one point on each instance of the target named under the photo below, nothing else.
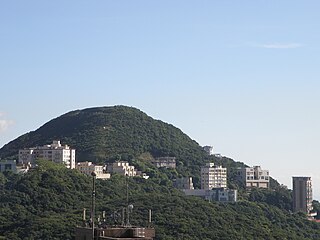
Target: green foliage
(47, 203)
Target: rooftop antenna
(93, 174)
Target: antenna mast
(93, 174)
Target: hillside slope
(47, 204)
(110, 133)
(105, 132)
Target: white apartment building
(253, 177)
(122, 168)
(55, 152)
(213, 177)
(88, 167)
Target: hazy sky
(239, 75)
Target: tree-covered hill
(110, 133)
(47, 203)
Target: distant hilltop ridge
(102, 134)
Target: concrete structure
(8, 165)
(88, 167)
(302, 195)
(167, 162)
(217, 194)
(184, 183)
(54, 152)
(108, 233)
(122, 168)
(213, 177)
(253, 177)
(11, 165)
(208, 149)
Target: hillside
(47, 204)
(110, 133)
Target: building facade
(55, 152)
(213, 177)
(208, 149)
(8, 165)
(184, 183)
(167, 162)
(88, 167)
(122, 168)
(253, 177)
(302, 194)
(217, 194)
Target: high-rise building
(253, 177)
(55, 152)
(302, 194)
(213, 176)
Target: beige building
(88, 167)
(302, 195)
(253, 177)
(122, 168)
(55, 152)
(213, 177)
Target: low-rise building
(122, 168)
(213, 176)
(208, 149)
(253, 177)
(88, 167)
(183, 183)
(8, 165)
(167, 162)
(55, 152)
(217, 194)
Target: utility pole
(93, 174)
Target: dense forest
(47, 203)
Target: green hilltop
(106, 134)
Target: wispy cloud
(280, 45)
(4, 123)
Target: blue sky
(239, 75)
